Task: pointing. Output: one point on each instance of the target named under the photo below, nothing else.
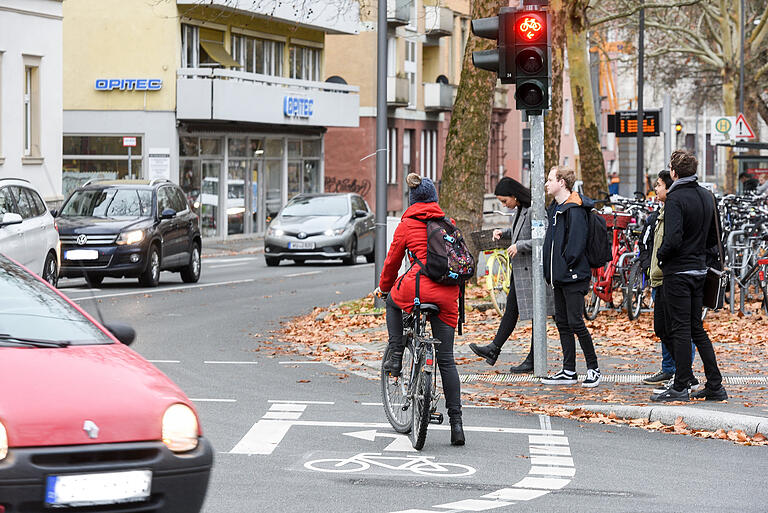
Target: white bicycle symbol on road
(421, 465)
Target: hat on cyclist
(510, 187)
(422, 190)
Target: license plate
(94, 489)
(81, 254)
(301, 245)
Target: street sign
(129, 142)
(742, 130)
(720, 130)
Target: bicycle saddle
(430, 309)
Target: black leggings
(510, 317)
(445, 361)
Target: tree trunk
(466, 147)
(553, 120)
(590, 153)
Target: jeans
(683, 297)
(660, 323)
(445, 362)
(569, 310)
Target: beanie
(422, 190)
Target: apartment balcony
(438, 97)
(398, 91)
(227, 95)
(398, 12)
(438, 21)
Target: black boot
(525, 366)
(394, 364)
(457, 432)
(489, 352)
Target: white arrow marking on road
(400, 442)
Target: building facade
(224, 97)
(30, 93)
(425, 49)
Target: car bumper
(324, 247)
(113, 260)
(179, 481)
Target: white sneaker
(592, 379)
(563, 377)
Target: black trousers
(445, 362)
(569, 317)
(683, 294)
(510, 317)
(661, 320)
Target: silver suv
(27, 229)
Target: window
(358, 204)
(22, 200)
(202, 47)
(391, 56)
(258, 55)
(566, 117)
(7, 204)
(410, 72)
(429, 154)
(165, 199)
(304, 63)
(31, 111)
(407, 138)
(392, 155)
(190, 46)
(179, 201)
(37, 201)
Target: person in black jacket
(567, 270)
(690, 214)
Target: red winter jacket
(412, 234)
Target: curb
(696, 418)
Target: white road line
(483, 429)
(228, 260)
(165, 289)
(280, 401)
(548, 440)
(302, 362)
(473, 505)
(217, 266)
(262, 438)
(282, 415)
(293, 275)
(545, 483)
(551, 450)
(292, 407)
(202, 400)
(371, 404)
(552, 460)
(230, 363)
(553, 471)
(164, 361)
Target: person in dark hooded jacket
(567, 270)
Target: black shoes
(658, 378)
(525, 366)
(711, 395)
(670, 395)
(489, 352)
(457, 432)
(394, 364)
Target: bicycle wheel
(337, 465)
(635, 291)
(498, 282)
(591, 302)
(420, 403)
(394, 392)
(442, 469)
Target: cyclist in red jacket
(411, 235)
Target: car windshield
(112, 202)
(317, 206)
(31, 310)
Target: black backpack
(598, 242)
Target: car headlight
(132, 237)
(3, 442)
(275, 232)
(335, 231)
(180, 428)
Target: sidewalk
(233, 245)
(354, 336)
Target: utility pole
(381, 145)
(538, 230)
(667, 117)
(741, 71)
(640, 115)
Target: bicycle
(410, 399)
(420, 465)
(497, 267)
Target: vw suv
(129, 228)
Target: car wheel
(371, 257)
(272, 262)
(51, 269)
(151, 275)
(352, 258)
(191, 273)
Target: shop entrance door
(270, 185)
(211, 202)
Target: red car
(87, 424)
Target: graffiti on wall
(361, 187)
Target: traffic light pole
(381, 148)
(538, 230)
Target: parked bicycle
(410, 400)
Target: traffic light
(532, 68)
(498, 60)
(678, 127)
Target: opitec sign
(129, 84)
(298, 107)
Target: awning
(217, 52)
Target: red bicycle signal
(530, 27)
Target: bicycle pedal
(435, 418)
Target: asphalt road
(284, 428)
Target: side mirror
(360, 213)
(168, 213)
(9, 219)
(122, 332)
(55, 213)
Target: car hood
(47, 395)
(309, 224)
(96, 225)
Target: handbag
(714, 286)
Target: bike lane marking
(400, 443)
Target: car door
(362, 225)
(29, 227)
(185, 224)
(167, 228)
(38, 234)
(11, 236)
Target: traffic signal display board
(624, 123)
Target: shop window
(255, 55)
(188, 146)
(98, 145)
(210, 146)
(304, 63)
(97, 157)
(238, 146)
(274, 148)
(312, 176)
(190, 182)
(310, 148)
(294, 149)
